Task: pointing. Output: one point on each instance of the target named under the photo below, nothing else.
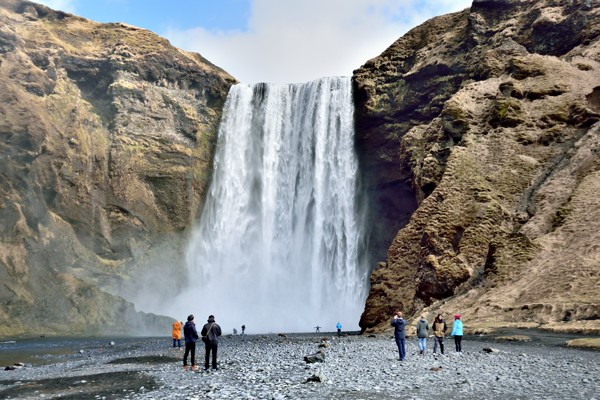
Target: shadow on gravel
(145, 360)
(110, 385)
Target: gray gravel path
(272, 367)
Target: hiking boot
(194, 368)
(185, 367)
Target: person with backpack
(439, 330)
(422, 333)
(190, 335)
(457, 333)
(210, 336)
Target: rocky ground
(273, 367)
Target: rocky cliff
(479, 134)
(106, 139)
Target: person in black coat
(399, 325)
(191, 335)
(210, 336)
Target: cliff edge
(484, 126)
(106, 139)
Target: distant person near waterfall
(439, 330)
(422, 333)
(176, 334)
(210, 336)
(457, 333)
(399, 325)
(191, 335)
(339, 329)
(243, 329)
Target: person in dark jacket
(439, 330)
(422, 333)
(399, 325)
(190, 335)
(210, 336)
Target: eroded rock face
(490, 117)
(106, 139)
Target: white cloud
(298, 41)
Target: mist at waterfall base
(279, 245)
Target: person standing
(422, 333)
(210, 336)
(190, 335)
(243, 329)
(339, 329)
(457, 333)
(439, 330)
(399, 325)
(176, 334)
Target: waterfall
(279, 245)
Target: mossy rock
(507, 112)
(522, 68)
(587, 343)
(514, 338)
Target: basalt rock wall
(106, 139)
(479, 133)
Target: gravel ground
(273, 367)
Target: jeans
(176, 343)
(401, 348)
(190, 347)
(438, 340)
(211, 346)
(422, 344)
(458, 343)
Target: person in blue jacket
(339, 328)
(457, 332)
(399, 325)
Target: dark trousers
(176, 342)
(210, 346)
(190, 347)
(438, 340)
(458, 343)
(401, 348)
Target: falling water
(279, 243)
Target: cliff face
(106, 139)
(486, 122)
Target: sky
(276, 41)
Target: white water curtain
(279, 242)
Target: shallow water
(47, 350)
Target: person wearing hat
(191, 335)
(457, 332)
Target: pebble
(355, 367)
